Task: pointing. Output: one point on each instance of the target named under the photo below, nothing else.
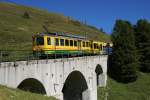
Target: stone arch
(75, 87)
(98, 71)
(32, 85)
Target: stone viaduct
(66, 79)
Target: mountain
(18, 24)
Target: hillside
(15, 94)
(16, 31)
(138, 90)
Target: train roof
(60, 34)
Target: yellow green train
(50, 44)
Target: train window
(98, 46)
(49, 41)
(71, 42)
(39, 41)
(83, 44)
(91, 45)
(75, 43)
(56, 41)
(101, 47)
(87, 44)
(95, 46)
(79, 44)
(66, 42)
(62, 42)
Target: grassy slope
(139, 90)
(15, 94)
(16, 31)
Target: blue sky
(99, 13)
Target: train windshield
(39, 41)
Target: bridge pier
(58, 77)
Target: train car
(85, 47)
(60, 44)
(95, 47)
(51, 44)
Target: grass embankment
(138, 90)
(16, 31)
(15, 94)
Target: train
(64, 44)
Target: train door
(52, 41)
(101, 48)
(79, 44)
(92, 48)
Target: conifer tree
(124, 60)
(142, 35)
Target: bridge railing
(15, 55)
(25, 55)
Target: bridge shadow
(74, 86)
(32, 85)
(98, 72)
